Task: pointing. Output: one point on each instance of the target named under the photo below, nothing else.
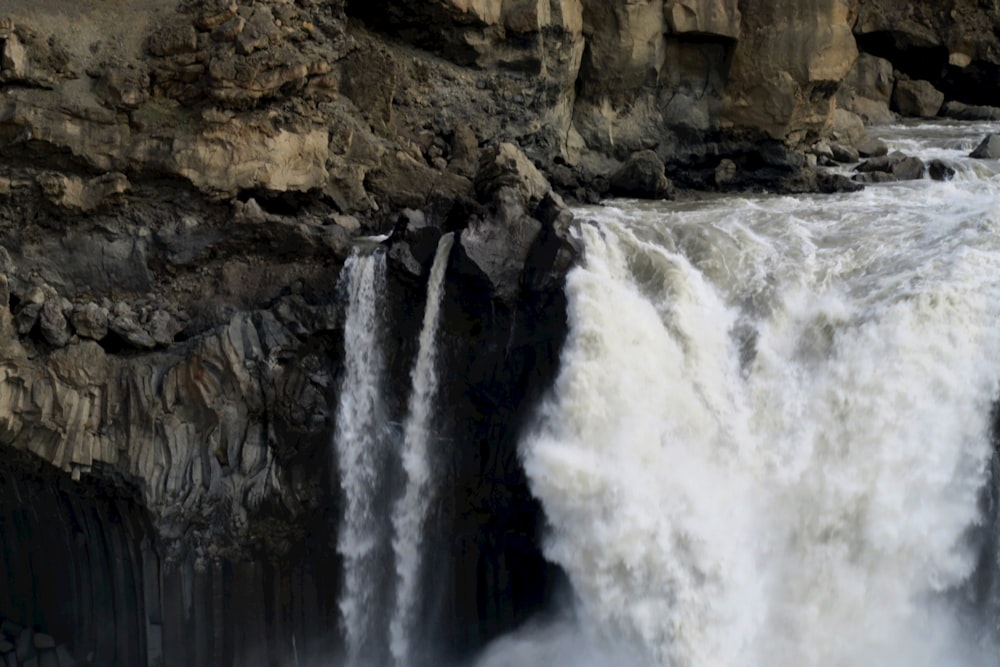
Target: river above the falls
(770, 440)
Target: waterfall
(411, 509)
(361, 445)
(772, 425)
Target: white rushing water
(771, 427)
(360, 442)
(411, 509)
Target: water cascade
(362, 449)
(772, 426)
(411, 509)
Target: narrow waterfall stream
(362, 449)
(772, 427)
(411, 509)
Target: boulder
(871, 147)
(642, 176)
(91, 321)
(917, 98)
(896, 165)
(844, 154)
(52, 322)
(940, 170)
(505, 165)
(988, 148)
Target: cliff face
(181, 183)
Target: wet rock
(917, 98)
(871, 147)
(940, 170)
(844, 154)
(972, 112)
(828, 183)
(988, 148)
(642, 176)
(875, 177)
(901, 167)
(90, 321)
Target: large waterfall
(771, 430)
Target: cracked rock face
(179, 192)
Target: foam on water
(771, 427)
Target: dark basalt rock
(988, 148)
(940, 170)
(893, 167)
(642, 176)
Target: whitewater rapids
(772, 427)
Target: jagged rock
(917, 98)
(643, 176)
(244, 155)
(171, 40)
(504, 165)
(901, 167)
(90, 321)
(844, 154)
(784, 70)
(348, 222)
(52, 321)
(124, 87)
(954, 109)
(988, 148)
(27, 312)
(464, 151)
(125, 323)
(703, 17)
(940, 170)
(163, 327)
(725, 172)
(260, 31)
(80, 195)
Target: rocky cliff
(181, 183)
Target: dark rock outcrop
(917, 98)
(642, 176)
(988, 148)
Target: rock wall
(179, 191)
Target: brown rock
(917, 98)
